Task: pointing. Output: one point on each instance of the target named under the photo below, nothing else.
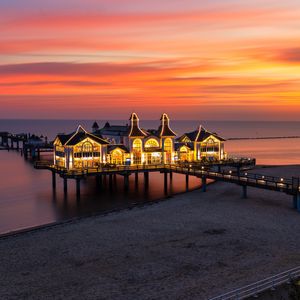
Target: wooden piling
(25, 152)
(295, 188)
(187, 179)
(53, 180)
(203, 184)
(110, 181)
(238, 170)
(99, 180)
(126, 182)
(166, 182)
(146, 179)
(295, 201)
(78, 188)
(65, 186)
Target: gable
(213, 137)
(57, 142)
(184, 139)
(87, 140)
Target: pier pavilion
(79, 150)
(132, 145)
(199, 145)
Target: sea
(27, 199)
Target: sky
(194, 59)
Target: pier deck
(290, 186)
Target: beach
(192, 246)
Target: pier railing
(260, 286)
(100, 169)
(288, 185)
(243, 178)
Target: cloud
(291, 55)
(74, 83)
(73, 69)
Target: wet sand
(193, 246)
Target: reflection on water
(269, 152)
(27, 198)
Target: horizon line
(108, 119)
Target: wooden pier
(30, 146)
(9, 141)
(235, 175)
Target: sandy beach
(193, 246)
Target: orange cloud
(209, 61)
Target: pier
(29, 145)
(233, 173)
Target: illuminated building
(79, 150)
(132, 145)
(200, 145)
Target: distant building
(132, 145)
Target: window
(117, 157)
(87, 147)
(168, 145)
(137, 145)
(183, 153)
(168, 150)
(137, 151)
(152, 143)
(210, 146)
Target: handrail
(259, 286)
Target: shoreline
(92, 215)
(119, 210)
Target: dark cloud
(56, 82)
(74, 69)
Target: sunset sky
(194, 59)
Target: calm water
(27, 199)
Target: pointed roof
(179, 145)
(63, 137)
(164, 129)
(135, 130)
(106, 125)
(200, 135)
(80, 135)
(95, 125)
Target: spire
(135, 129)
(95, 126)
(165, 129)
